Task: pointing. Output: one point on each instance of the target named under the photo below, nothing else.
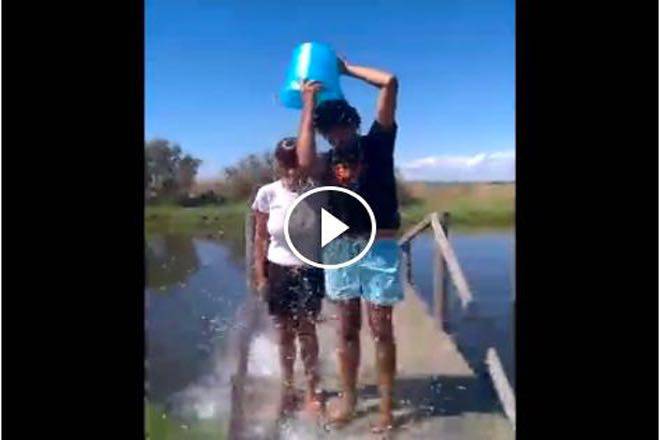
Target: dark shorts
(294, 290)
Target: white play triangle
(331, 227)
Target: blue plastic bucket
(313, 61)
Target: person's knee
(286, 331)
(382, 332)
(287, 338)
(349, 332)
(381, 329)
(350, 322)
(383, 335)
(306, 330)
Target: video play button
(329, 227)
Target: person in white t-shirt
(292, 289)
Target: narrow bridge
(438, 393)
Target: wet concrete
(437, 394)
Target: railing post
(501, 384)
(440, 280)
(444, 222)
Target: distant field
(473, 204)
(225, 219)
(203, 185)
(470, 204)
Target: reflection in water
(487, 260)
(196, 286)
(170, 259)
(188, 316)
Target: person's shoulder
(268, 189)
(379, 141)
(272, 186)
(264, 197)
(377, 129)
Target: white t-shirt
(274, 199)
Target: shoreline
(230, 218)
(471, 205)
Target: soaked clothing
(293, 287)
(367, 167)
(375, 277)
(274, 199)
(293, 291)
(350, 211)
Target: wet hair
(285, 149)
(348, 155)
(333, 113)
(285, 156)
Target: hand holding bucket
(315, 62)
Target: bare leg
(350, 321)
(309, 350)
(287, 346)
(380, 322)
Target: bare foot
(288, 403)
(343, 410)
(314, 404)
(385, 423)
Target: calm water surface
(195, 287)
(488, 263)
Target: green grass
(221, 220)
(470, 205)
(462, 214)
(159, 426)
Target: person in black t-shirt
(364, 164)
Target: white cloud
(498, 165)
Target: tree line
(169, 174)
(170, 177)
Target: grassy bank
(470, 205)
(158, 426)
(217, 220)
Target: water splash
(208, 398)
(263, 357)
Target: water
(194, 289)
(487, 260)
(196, 286)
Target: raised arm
(386, 82)
(306, 147)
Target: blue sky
(213, 68)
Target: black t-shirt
(375, 181)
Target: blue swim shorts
(376, 277)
